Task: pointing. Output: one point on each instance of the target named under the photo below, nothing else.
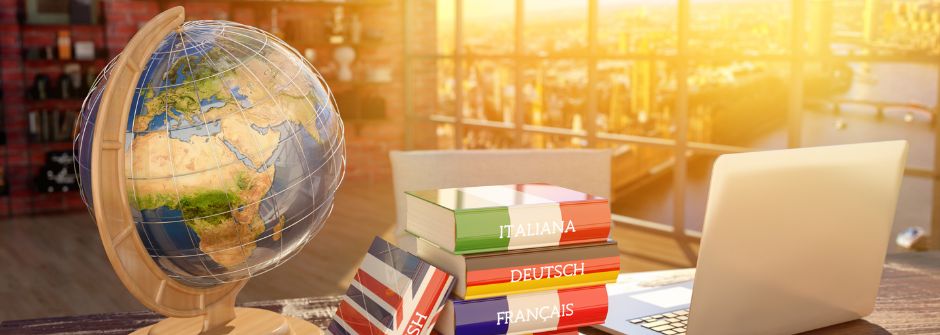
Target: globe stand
(190, 310)
(246, 321)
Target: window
(670, 85)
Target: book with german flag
(500, 273)
(478, 219)
(537, 312)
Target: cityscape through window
(669, 86)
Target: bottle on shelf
(65, 45)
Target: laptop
(793, 240)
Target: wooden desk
(908, 303)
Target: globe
(233, 152)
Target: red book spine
(591, 307)
(591, 221)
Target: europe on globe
(232, 154)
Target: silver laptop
(793, 240)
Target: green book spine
(479, 230)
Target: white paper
(666, 298)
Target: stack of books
(527, 258)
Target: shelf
(53, 145)
(48, 62)
(23, 159)
(362, 3)
(56, 26)
(55, 103)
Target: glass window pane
(698, 180)
(878, 27)
(641, 185)
(446, 23)
(489, 90)
(433, 24)
(555, 27)
(433, 87)
(636, 98)
(486, 138)
(740, 103)
(431, 27)
(555, 93)
(630, 27)
(445, 135)
(552, 141)
(871, 102)
(744, 27)
(489, 27)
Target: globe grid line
(136, 104)
(305, 216)
(296, 182)
(208, 134)
(319, 113)
(175, 183)
(241, 111)
(235, 161)
(77, 143)
(221, 135)
(255, 55)
(146, 234)
(214, 75)
(294, 51)
(264, 237)
(280, 108)
(293, 135)
(267, 36)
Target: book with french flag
(526, 258)
(537, 312)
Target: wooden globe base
(248, 321)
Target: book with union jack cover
(469, 220)
(393, 292)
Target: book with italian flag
(478, 219)
(498, 273)
(537, 312)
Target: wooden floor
(55, 266)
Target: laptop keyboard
(672, 323)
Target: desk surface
(908, 303)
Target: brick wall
(13, 100)
(368, 142)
